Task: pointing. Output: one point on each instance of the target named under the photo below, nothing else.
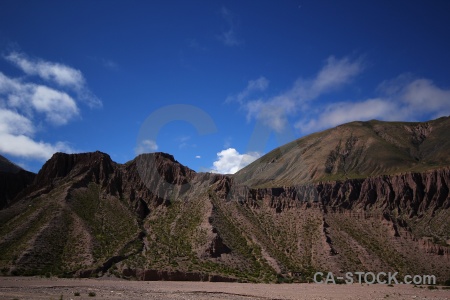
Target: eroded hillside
(155, 219)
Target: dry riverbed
(56, 288)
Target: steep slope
(380, 203)
(86, 215)
(395, 223)
(13, 180)
(66, 223)
(353, 150)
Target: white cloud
(146, 146)
(58, 107)
(198, 156)
(344, 112)
(13, 123)
(335, 74)
(274, 111)
(230, 161)
(23, 146)
(62, 75)
(58, 73)
(26, 106)
(423, 96)
(401, 99)
(15, 138)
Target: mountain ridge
(354, 150)
(154, 219)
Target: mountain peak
(354, 150)
(301, 208)
(158, 155)
(61, 165)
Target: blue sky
(215, 83)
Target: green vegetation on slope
(111, 224)
(353, 150)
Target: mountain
(13, 179)
(354, 150)
(364, 196)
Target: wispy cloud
(228, 36)
(227, 142)
(195, 45)
(105, 62)
(229, 161)
(403, 99)
(62, 75)
(418, 97)
(274, 111)
(109, 64)
(183, 142)
(146, 146)
(335, 74)
(257, 85)
(343, 112)
(26, 106)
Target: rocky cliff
(410, 194)
(155, 219)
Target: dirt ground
(55, 288)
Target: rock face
(155, 219)
(413, 194)
(398, 199)
(95, 166)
